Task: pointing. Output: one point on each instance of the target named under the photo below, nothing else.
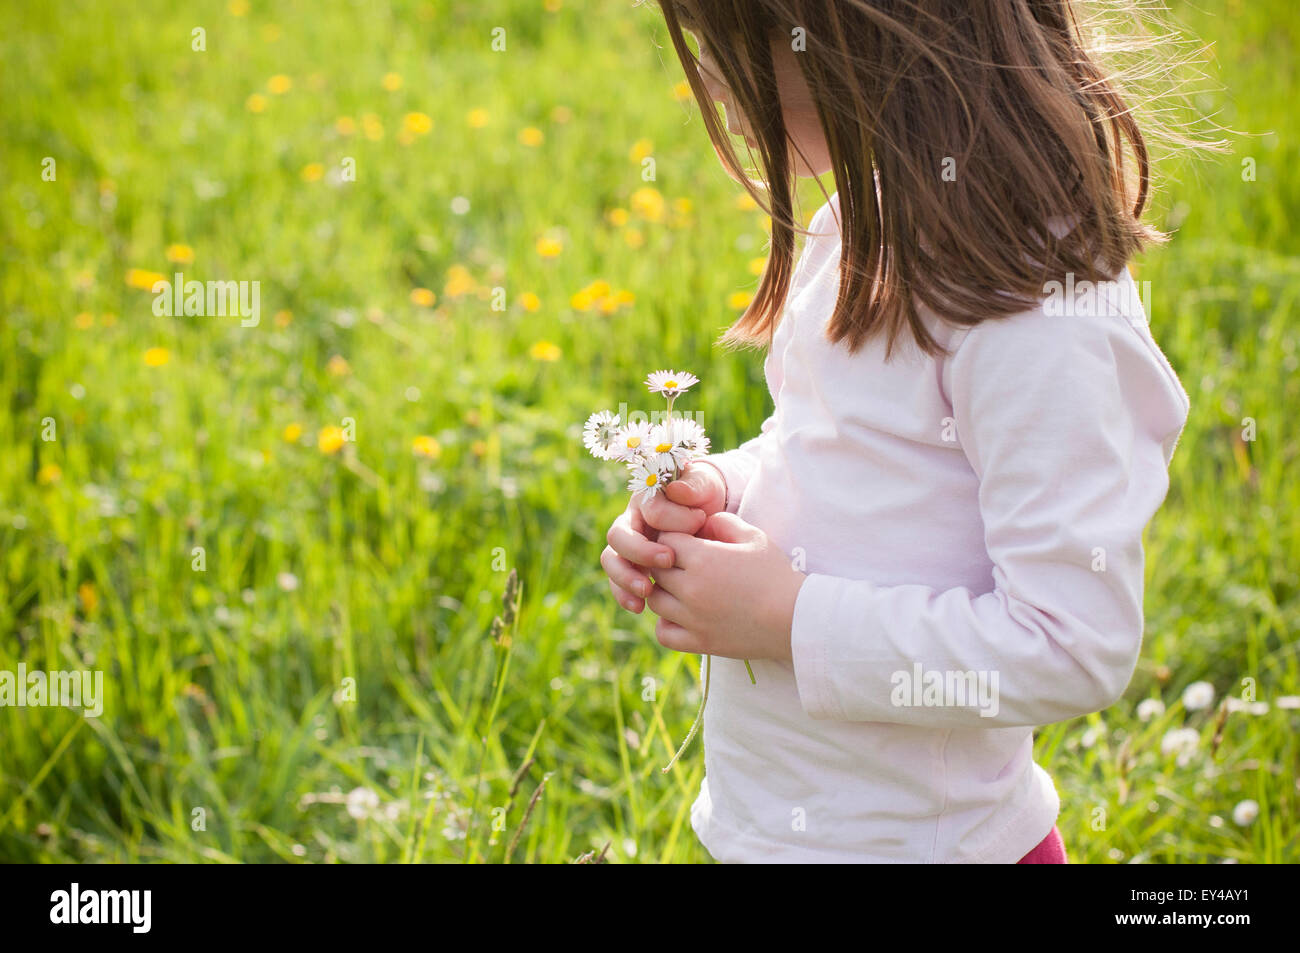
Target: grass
(280, 626)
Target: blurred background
(284, 542)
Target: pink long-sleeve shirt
(971, 527)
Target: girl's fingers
(675, 637)
(667, 606)
(624, 598)
(623, 574)
(666, 516)
(635, 548)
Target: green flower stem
(699, 715)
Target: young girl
(935, 543)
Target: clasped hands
(719, 585)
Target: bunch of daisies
(655, 454)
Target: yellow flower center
(634, 441)
(652, 479)
(670, 383)
(663, 448)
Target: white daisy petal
(599, 433)
(671, 383)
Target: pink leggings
(1050, 851)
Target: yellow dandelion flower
(608, 305)
(682, 91)
(371, 127)
(50, 473)
(255, 103)
(561, 114)
(84, 320)
(617, 217)
(582, 300)
(426, 446)
(477, 118)
(599, 288)
(739, 299)
(338, 365)
(292, 433)
(330, 439)
(283, 318)
(238, 8)
(144, 280)
(157, 356)
(423, 297)
(345, 126)
(418, 123)
(312, 172)
(180, 254)
(279, 84)
(625, 297)
(745, 202)
(633, 237)
(88, 597)
(683, 206)
(549, 247)
(648, 203)
(459, 282)
(756, 265)
(529, 301)
(544, 351)
(640, 150)
(531, 136)
(392, 82)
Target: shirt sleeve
(1069, 424)
(738, 465)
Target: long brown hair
(959, 131)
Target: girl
(935, 543)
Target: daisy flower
(670, 383)
(647, 479)
(660, 454)
(687, 439)
(599, 434)
(631, 442)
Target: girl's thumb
(686, 490)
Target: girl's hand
(691, 499)
(731, 592)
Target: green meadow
(284, 540)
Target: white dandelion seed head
(599, 434)
(287, 581)
(1244, 814)
(1237, 705)
(671, 383)
(1198, 695)
(1182, 742)
(1150, 708)
(362, 803)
